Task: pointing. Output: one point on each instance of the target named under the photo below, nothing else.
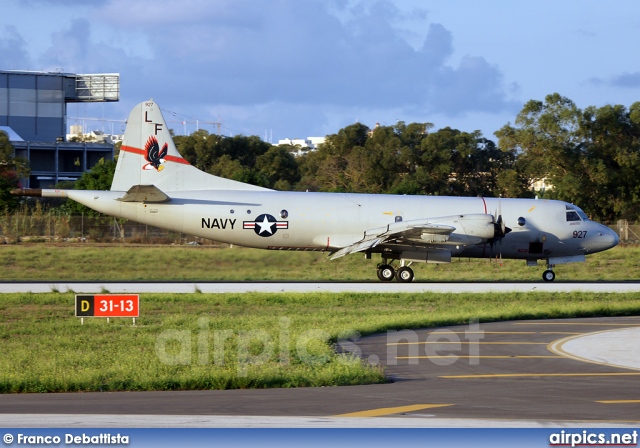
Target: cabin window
(398, 218)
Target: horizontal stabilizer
(34, 192)
(145, 193)
(39, 193)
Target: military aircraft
(155, 185)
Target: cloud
(62, 3)
(70, 48)
(75, 50)
(301, 61)
(13, 51)
(438, 46)
(627, 80)
(474, 86)
(250, 51)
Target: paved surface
(527, 373)
(235, 421)
(618, 348)
(275, 287)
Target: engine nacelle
(470, 229)
(479, 225)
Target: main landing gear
(386, 273)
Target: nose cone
(602, 238)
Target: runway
(502, 374)
(306, 287)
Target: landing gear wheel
(386, 272)
(404, 274)
(548, 275)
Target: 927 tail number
(579, 233)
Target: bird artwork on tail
(154, 155)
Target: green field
(225, 341)
(162, 262)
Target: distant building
(33, 111)
(542, 185)
(304, 144)
(315, 141)
(76, 135)
(370, 132)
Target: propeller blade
(500, 230)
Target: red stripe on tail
(143, 153)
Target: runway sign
(107, 305)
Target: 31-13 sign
(108, 305)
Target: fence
(53, 227)
(628, 233)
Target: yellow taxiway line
(533, 375)
(617, 401)
(599, 324)
(389, 411)
(470, 342)
(485, 357)
(503, 332)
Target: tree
(99, 177)
(11, 170)
(590, 157)
(405, 159)
(325, 169)
(452, 162)
(232, 169)
(610, 150)
(214, 154)
(277, 166)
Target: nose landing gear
(549, 275)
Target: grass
(160, 262)
(226, 341)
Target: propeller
(500, 230)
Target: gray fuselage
(540, 229)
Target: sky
(298, 68)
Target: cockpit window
(572, 216)
(572, 211)
(583, 215)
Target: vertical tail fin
(148, 156)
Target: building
(304, 144)
(541, 185)
(33, 111)
(94, 136)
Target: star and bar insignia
(265, 225)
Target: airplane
(155, 185)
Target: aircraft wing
(424, 231)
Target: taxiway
(520, 373)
